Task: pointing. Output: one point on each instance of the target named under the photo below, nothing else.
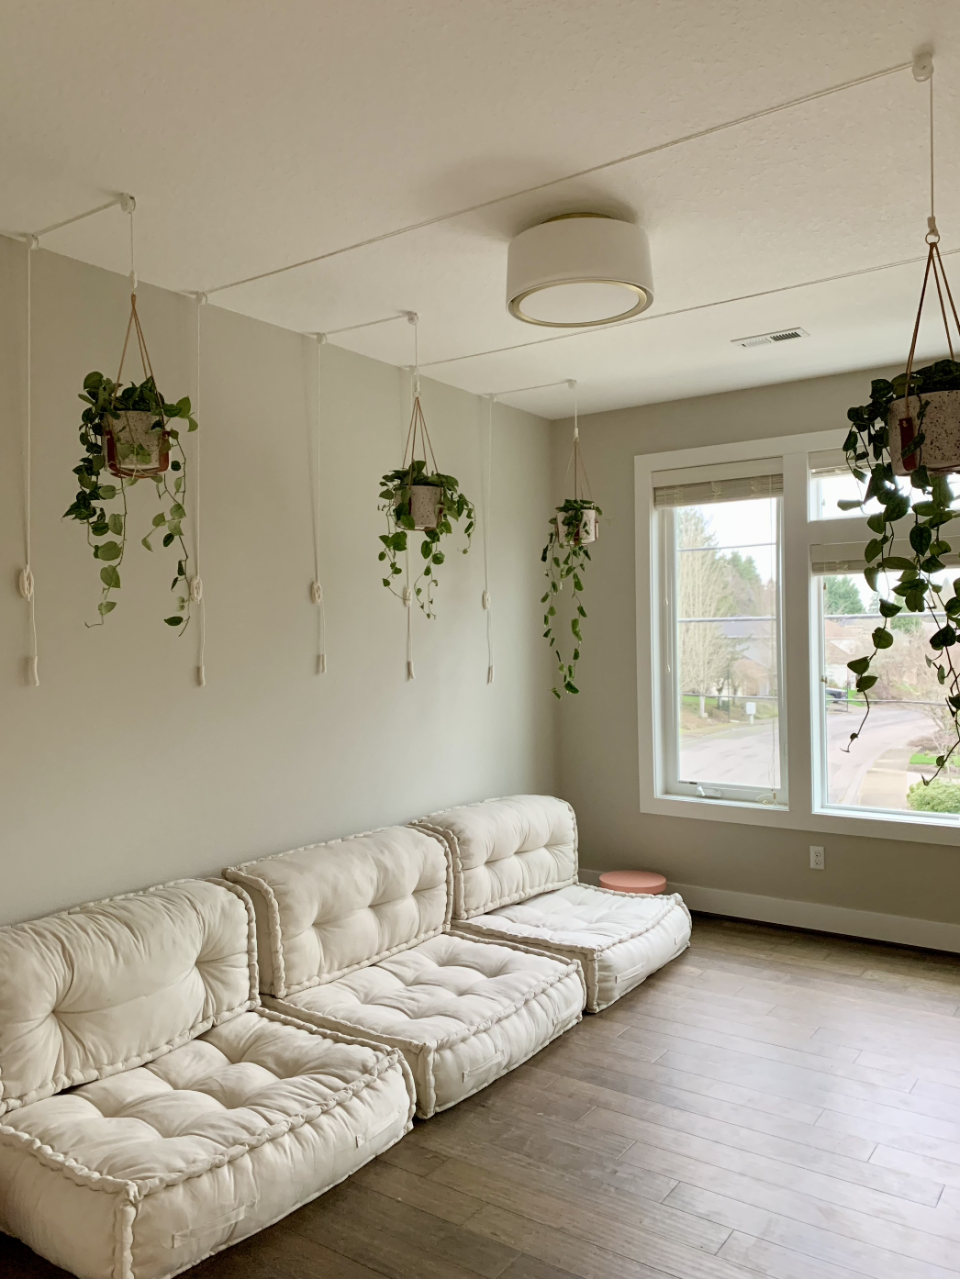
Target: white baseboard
(929, 933)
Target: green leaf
(859, 665)
(115, 524)
(109, 551)
(108, 491)
(873, 549)
(177, 512)
(167, 539)
(882, 638)
(895, 508)
(899, 562)
(866, 682)
(110, 577)
(159, 519)
(145, 541)
(846, 504)
(106, 606)
(174, 621)
(877, 524)
(889, 609)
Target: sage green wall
(598, 735)
(118, 772)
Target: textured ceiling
(255, 136)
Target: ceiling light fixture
(579, 270)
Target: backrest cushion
(507, 850)
(113, 984)
(329, 909)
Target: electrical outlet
(816, 857)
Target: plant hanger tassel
(27, 584)
(316, 589)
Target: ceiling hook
(923, 65)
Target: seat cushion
(506, 850)
(462, 1011)
(142, 1174)
(619, 938)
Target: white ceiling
(255, 136)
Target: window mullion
(795, 631)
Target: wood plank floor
(773, 1103)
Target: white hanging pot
(940, 424)
(134, 447)
(587, 531)
(426, 506)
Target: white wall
(744, 870)
(118, 771)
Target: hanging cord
(486, 475)
(923, 70)
(27, 585)
(196, 582)
(316, 590)
(417, 425)
(581, 481)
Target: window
(751, 601)
(720, 568)
(908, 725)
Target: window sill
(867, 824)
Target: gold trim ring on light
(644, 300)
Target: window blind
(827, 463)
(847, 557)
(703, 492)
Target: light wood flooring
(773, 1103)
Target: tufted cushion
(619, 938)
(142, 1174)
(506, 850)
(112, 984)
(327, 909)
(464, 1012)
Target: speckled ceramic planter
(940, 451)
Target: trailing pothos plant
(108, 447)
(924, 512)
(572, 529)
(432, 510)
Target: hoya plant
(909, 545)
(415, 499)
(566, 555)
(126, 435)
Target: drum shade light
(578, 271)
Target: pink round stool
(633, 881)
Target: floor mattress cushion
(141, 1174)
(462, 1011)
(619, 938)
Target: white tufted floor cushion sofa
(354, 936)
(515, 879)
(151, 1111)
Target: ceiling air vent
(767, 339)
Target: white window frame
(671, 784)
(801, 659)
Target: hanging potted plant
(126, 433)
(911, 428)
(573, 529)
(420, 498)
